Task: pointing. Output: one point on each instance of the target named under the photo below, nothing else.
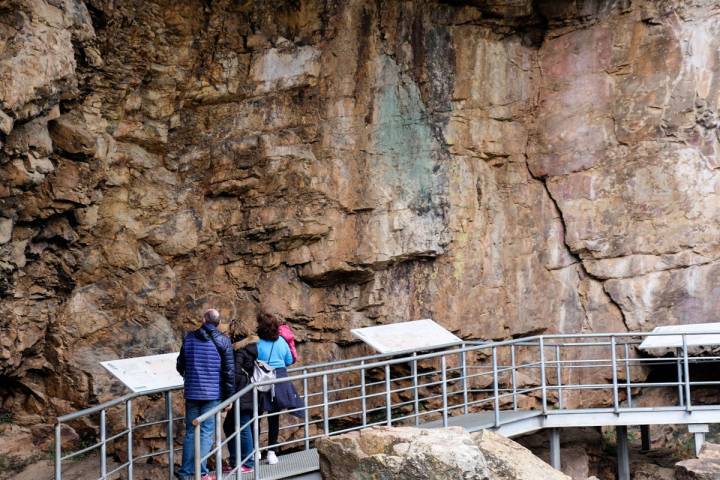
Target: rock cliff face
(504, 167)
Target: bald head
(212, 317)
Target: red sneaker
(245, 469)
(208, 476)
(227, 467)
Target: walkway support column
(645, 437)
(555, 448)
(698, 430)
(623, 453)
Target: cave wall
(504, 168)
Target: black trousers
(273, 430)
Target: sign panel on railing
(410, 336)
(143, 374)
(696, 334)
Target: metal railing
(106, 439)
(546, 374)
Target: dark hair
(267, 326)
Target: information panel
(406, 336)
(143, 374)
(704, 335)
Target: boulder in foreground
(705, 467)
(508, 460)
(404, 453)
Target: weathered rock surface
(508, 460)
(20, 446)
(633, 166)
(402, 453)
(649, 471)
(504, 167)
(86, 467)
(581, 451)
(705, 467)
(410, 453)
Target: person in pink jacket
(286, 332)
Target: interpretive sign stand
(145, 374)
(404, 337)
(692, 337)
(687, 341)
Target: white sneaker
(272, 458)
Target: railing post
(645, 438)
(129, 423)
(616, 399)
(388, 397)
(699, 438)
(326, 407)
(198, 451)
(306, 425)
(558, 372)
(681, 400)
(623, 453)
(443, 367)
(495, 387)
(218, 445)
(514, 376)
(555, 448)
(688, 402)
(238, 450)
(58, 451)
(628, 389)
(103, 445)
(543, 388)
(170, 433)
(256, 435)
(363, 393)
(699, 430)
(463, 371)
(416, 398)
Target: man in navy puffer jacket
(207, 364)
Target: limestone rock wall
(502, 167)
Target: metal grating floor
(290, 465)
(478, 421)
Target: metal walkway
(292, 465)
(513, 387)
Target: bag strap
(217, 347)
(257, 359)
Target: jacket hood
(203, 333)
(245, 342)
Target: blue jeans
(193, 409)
(246, 438)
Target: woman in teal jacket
(274, 350)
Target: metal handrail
(546, 378)
(377, 356)
(520, 341)
(113, 403)
(396, 361)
